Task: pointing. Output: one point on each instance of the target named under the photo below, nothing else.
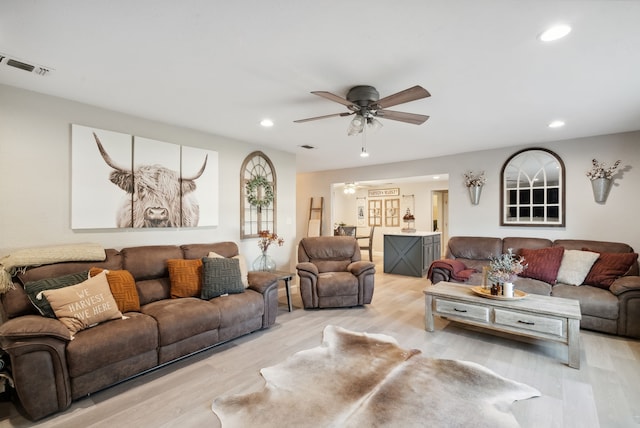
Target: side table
(286, 277)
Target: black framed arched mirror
(533, 189)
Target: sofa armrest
(307, 267)
(359, 267)
(266, 283)
(627, 290)
(262, 281)
(37, 349)
(624, 284)
(32, 326)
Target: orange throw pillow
(123, 288)
(186, 277)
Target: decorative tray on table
(486, 292)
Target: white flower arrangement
(472, 180)
(600, 170)
(506, 267)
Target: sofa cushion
(594, 302)
(179, 319)
(34, 290)
(473, 247)
(236, 309)
(150, 261)
(84, 305)
(185, 277)
(111, 342)
(542, 264)
(575, 266)
(123, 288)
(517, 244)
(151, 290)
(337, 284)
(198, 251)
(609, 267)
(220, 276)
(244, 270)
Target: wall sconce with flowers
(601, 179)
(474, 183)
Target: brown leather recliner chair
(332, 273)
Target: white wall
(35, 168)
(617, 220)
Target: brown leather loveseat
(609, 294)
(50, 369)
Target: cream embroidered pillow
(575, 266)
(84, 305)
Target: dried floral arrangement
(472, 180)
(506, 267)
(600, 170)
(267, 238)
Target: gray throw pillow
(34, 290)
(220, 276)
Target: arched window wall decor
(258, 195)
(533, 189)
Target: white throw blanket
(21, 259)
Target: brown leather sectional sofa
(614, 310)
(50, 370)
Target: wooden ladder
(315, 218)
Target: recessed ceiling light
(556, 124)
(267, 123)
(554, 33)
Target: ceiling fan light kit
(364, 103)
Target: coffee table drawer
(464, 310)
(540, 324)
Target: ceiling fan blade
(322, 117)
(333, 97)
(411, 94)
(416, 119)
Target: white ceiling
(222, 66)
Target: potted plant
(474, 183)
(600, 177)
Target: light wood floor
(605, 392)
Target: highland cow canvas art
(124, 181)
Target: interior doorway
(440, 215)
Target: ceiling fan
(364, 101)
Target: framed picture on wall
(360, 210)
(123, 181)
(392, 212)
(375, 212)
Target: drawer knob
(526, 322)
(459, 310)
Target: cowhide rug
(367, 380)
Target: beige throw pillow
(575, 266)
(84, 305)
(244, 272)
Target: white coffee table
(540, 317)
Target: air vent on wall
(9, 61)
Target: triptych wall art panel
(123, 181)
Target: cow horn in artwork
(107, 158)
(199, 173)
